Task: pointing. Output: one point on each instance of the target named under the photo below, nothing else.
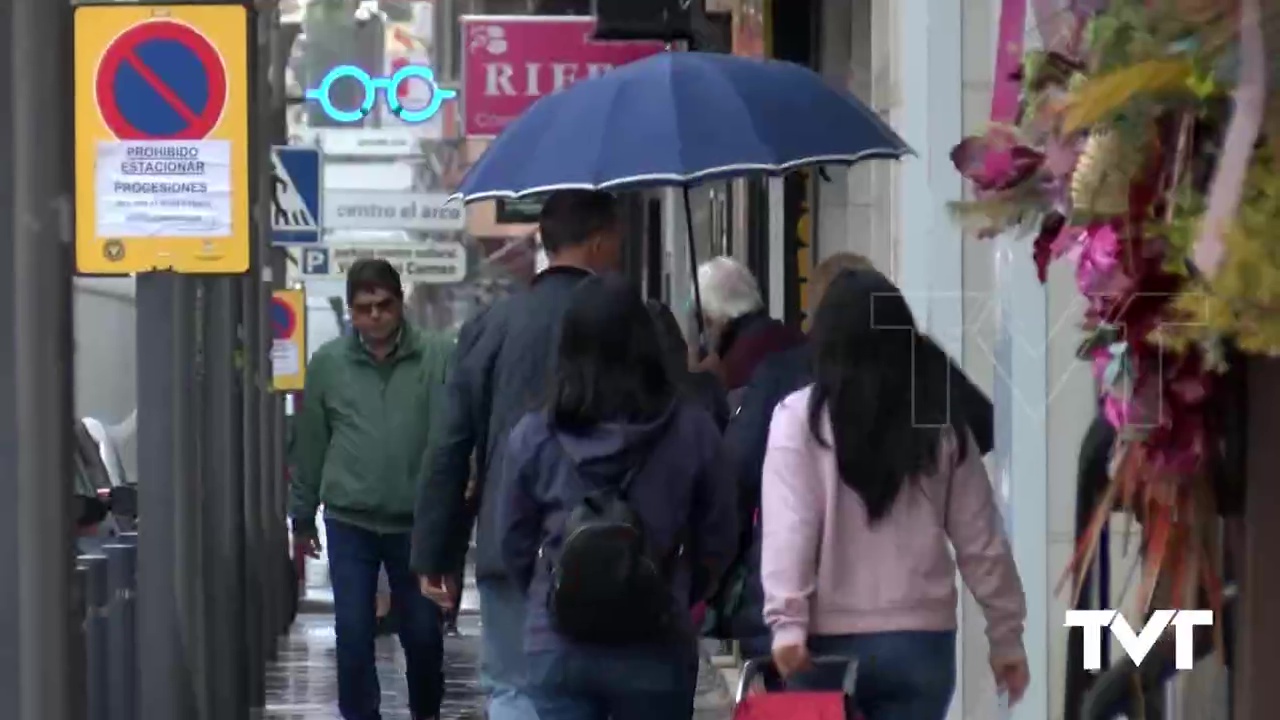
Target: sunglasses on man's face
(381, 307)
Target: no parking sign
(288, 318)
(162, 138)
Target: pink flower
(1055, 240)
(996, 161)
(1099, 272)
(1136, 406)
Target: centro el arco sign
(510, 62)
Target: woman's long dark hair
(876, 379)
(610, 366)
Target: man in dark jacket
(776, 377)
(501, 366)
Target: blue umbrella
(679, 118)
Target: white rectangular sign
(382, 142)
(285, 359)
(163, 188)
(434, 261)
(374, 210)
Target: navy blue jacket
(682, 491)
(499, 372)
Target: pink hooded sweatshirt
(827, 571)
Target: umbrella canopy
(679, 118)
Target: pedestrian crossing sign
(296, 189)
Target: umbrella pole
(693, 266)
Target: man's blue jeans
(503, 665)
(355, 556)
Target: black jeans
(355, 556)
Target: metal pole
(282, 567)
(10, 659)
(165, 691)
(280, 44)
(122, 636)
(41, 223)
(97, 603)
(77, 616)
(256, 654)
(188, 529)
(252, 311)
(223, 503)
(270, 595)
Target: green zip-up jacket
(364, 429)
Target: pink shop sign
(510, 62)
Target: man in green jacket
(361, 437)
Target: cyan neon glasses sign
(389, 87)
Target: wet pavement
(303, 683)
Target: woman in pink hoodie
(873, 495)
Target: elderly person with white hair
(739, 331)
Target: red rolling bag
(754, 703)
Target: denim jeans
(503, 671)
(904, 675)
(613, 684)
(355, 556)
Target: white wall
(105, 354)
(905, 58)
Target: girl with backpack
(617, 517)
(874, 492)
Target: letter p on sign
(315, 261)
(1137, 645)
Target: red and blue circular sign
(161, 80)
(284, 321)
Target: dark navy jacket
(499, 372)
(683, 491)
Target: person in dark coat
(613, 411)
(739, 331)
(500, 370)
(778, 376)
(702, 386)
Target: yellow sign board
(288, 340)
(162, 138)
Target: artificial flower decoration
(996, 161)
(1146, 150)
